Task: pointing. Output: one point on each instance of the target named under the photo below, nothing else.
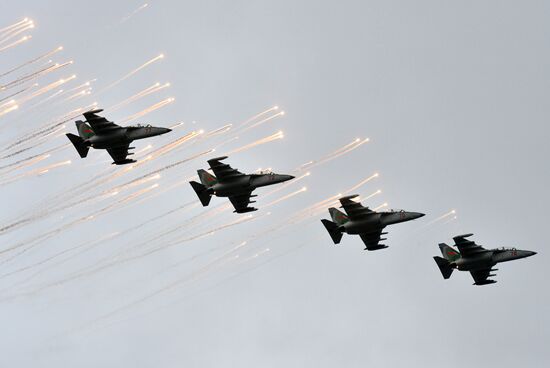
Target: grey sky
(454, 97)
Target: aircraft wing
(223, 172)
(99, 124)
(355, 210)
(241, 202)
(481, 277)
(119, 155)
(467, 247)
(372, 240)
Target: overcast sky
(454, 98)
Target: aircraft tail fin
(202, 193)
(338, 216)
(206, 178)
(84, 130)
(79, 144)
(448, 252)
(333, 230)
(444, 266)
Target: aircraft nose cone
(165, 130)
(415, 215)
(287, 177)
(530, 253)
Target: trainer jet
(476, 259)
(362, 221)
(229, 182)
(98, 132)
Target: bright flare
(271, 138)
(132, 72)
(150, 109)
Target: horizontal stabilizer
(202, 193)
(444, 267)
(79, 144)
(333, 230)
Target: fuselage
(376, 221)
(123, 136)
(489, 258)
(247, 183)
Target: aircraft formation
(224, 181)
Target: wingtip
(218, 158)
(351, 196)
(463, 236)
(245, 210)
(123, 162)
(94, 111)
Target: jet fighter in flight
(229, 182)
(362, 221)
(476, 259)
(97, 132)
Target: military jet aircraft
(476, 259)
(97, 132)
(229, 182)
(364, 222)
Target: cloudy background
(454, 99)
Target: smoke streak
(132, 72)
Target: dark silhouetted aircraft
(364, 222)
(475, 259)
(97, 132)
(229, 182)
